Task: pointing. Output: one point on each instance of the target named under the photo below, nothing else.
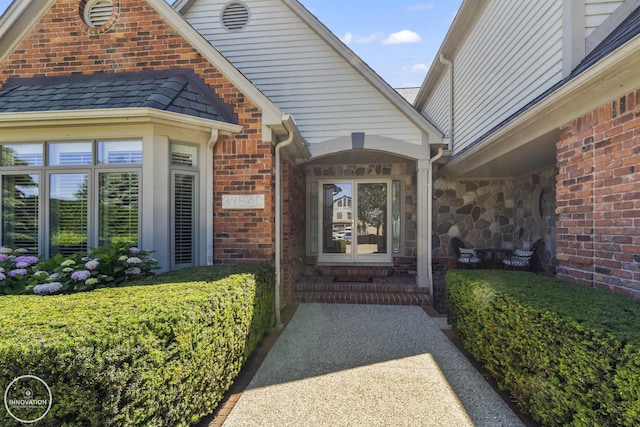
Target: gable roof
(353, 61)
(179, 91)
(21, 15)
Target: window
(20, 211)
(184, 219)
(184, 155)
(68, 213)
(119, 152)
(184, 183)
(70, 154)
(81, 195)
(118, 211)
(21, 155)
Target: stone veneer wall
(598, 189)
(495, 213)
(535, 216)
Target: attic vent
(235, 16)
(98, 12)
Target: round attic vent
(235, 16)
(97, 12)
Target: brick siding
(294, 188)
(598, 197)
(136, 38)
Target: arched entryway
(362, 210)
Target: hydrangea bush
(105, 266)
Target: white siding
(597, 11)
(436, 108)
(511, 55)
(301, 73)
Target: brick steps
(390, 292)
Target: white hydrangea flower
(47, 288)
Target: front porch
(368, 285)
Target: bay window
(66, 197)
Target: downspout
(432, 161)
(429, 218)
(278, 255)
(449, 65)
(215, 135)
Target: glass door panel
(337, 218)
(372, 218)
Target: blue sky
(398, 39)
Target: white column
(424, 221)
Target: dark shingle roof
(179, 91)
(625, 32)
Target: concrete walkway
(367, 365)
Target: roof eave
(598, 84)
(111, 116)
(271, 113)
(469, 10)
(20, 17)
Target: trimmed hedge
(162, 353)
(569, 355)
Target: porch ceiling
(505, 160)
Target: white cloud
(350, 38)
(404, 36)
(420, 6)
(419, 68)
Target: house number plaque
(243, 201)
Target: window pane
(118, 208)
(68, 213)
(336, 227)
(119, 152)
(20, 197)
(372, 218)
(70, 153)
(184, 219)
(184, 155)
(21, 155)
(314, 218)
(395, 216)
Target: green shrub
(161, 353)
(568, 354)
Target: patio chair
(524, 260)
(467, 257)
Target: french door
(354, 226)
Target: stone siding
(496, 213)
